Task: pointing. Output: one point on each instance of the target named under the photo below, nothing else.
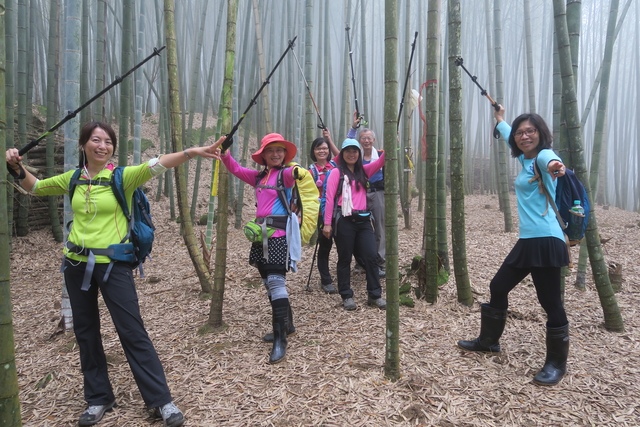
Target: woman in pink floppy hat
(272, 257)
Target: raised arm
(374, 166)
(502, 126)
(332, 146)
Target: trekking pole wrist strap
(17, 174)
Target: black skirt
(538, 252)
(278, 252)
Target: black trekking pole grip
(229, 140)
(71, 114)
(459, 62)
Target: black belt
(274, 221)
(375, 186)
(358, 216)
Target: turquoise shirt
(537, 218)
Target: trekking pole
(229, 137)
(406, 80)
(353, 80)
(483, 92)
(496, 106)
(72, 114)
(306, 83)
(315, 252)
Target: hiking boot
(492, 322)
(170, 414)
(349, 304)
(268, 337)
(94, 413)
(381, 303)
(329, 288)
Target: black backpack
(568, 190)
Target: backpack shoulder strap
(73, 183)
(340, 182)
(282, 192)
(117, 186)
(314, 171)
(537, 176)
(338, 190)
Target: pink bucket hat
(275, 138)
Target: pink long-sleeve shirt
(266, 198)
(358, 194)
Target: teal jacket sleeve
(504, 129)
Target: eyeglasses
(528, 132)
(321, 149)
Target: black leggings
(547, 283)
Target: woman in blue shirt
(541, 249)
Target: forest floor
(333, 374)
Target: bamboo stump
(615, 276)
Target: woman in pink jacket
(272, 255)
(347, 219)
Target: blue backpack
(569, 189)
(141, 228)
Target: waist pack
(260, 229)
(121, 252)
(255, 232)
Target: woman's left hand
(556, 168)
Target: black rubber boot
(492, 323)
(280, 315)
(268, 337)
(555, 366)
